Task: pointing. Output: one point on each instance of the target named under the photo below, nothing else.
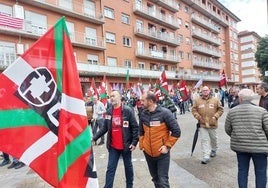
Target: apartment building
(189, 39)
(250, 74)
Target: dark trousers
(114, 156)
(98, 125)
(260, 167)
(158, 168)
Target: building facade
(250, 74)
(189, 39)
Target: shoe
(13, 164)
(213, 153)
(205, 161)
(20, 165)
(5, 162)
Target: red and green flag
(103, 93)
(183, 90)
(161, 85)
(42, 113)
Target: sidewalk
(185, 171)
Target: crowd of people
(151, 121)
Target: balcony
(206, 24)
(157, 55)
(96, 70)
(197, 4)
(209, 65)
(205, 37)
(155, 16)
(156, 36)
(87, 69)
(33, 31)
(81, 40)
(206, 51)
(167, 4)
(78, 10)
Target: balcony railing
(207, 51)
(157, 55)
(155, 16)
(89, 69)
(168, 4)
(205, 24)
(76, 9)
(206, 37)
(82, 40)
(210, 65)
(156, 35)
(197, 4)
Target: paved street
(185, 171)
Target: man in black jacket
(122, 138)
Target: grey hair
(264, 86)
(246, 95)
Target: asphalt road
(186, 171)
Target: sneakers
(213, 153)
(5, 162)
(13, 164)
(205, 161)
(20, 165)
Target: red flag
(183, 90)
(42, 113)
(9, 21)
(161, 85)
(103, 94)
(93, 89)
(223, 81)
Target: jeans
(260, 167)
(158, 168)
(208, 141)
(98, 124)
(114, 156)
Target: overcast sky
(252, 13)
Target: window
(188, 40)
(127, 41)
(125, 19)
(108, 12)
(38, 23)
(70, 27)
(188, 56)
(68, 4)
(179, 21)
(110, 37)
(89, 8)
(91, 36)
(92, 59)
(7, 53)
(180, 38)
(186, 9)
(141, 65)
(112, 61)
(7, 10)
(181, 54)
(127, 63)
(187, 25)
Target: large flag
(42, 113)
(223, 81)
(103, 93)
(161, 87)
(93, 89)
